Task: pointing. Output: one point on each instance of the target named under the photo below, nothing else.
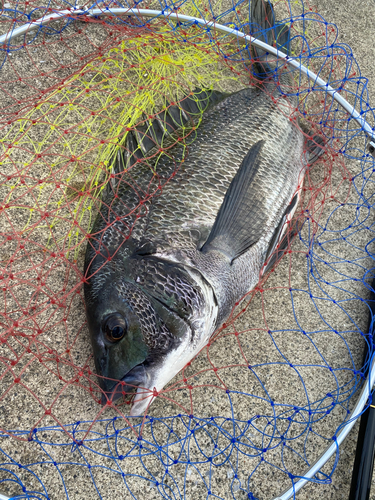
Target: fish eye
(114, 327)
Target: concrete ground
(302, 381)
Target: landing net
(276, 384)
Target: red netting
(269, 390)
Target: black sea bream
(165, 271)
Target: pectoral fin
(243, 214)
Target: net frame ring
(370, 381)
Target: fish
(184, 233)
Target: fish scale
(191, 200)
(182, 237)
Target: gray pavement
(356, 27)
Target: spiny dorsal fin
(240, 221)
(149, 134)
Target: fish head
(130, 334)
(116, 337)
(143, 332)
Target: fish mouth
(136, 377)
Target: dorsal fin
(149, 134)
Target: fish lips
(136, 377)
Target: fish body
(179, 241)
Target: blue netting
(275, 386)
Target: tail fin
(263, 26)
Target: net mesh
(271, 390)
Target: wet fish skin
(168, 258)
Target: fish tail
(263, 26)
